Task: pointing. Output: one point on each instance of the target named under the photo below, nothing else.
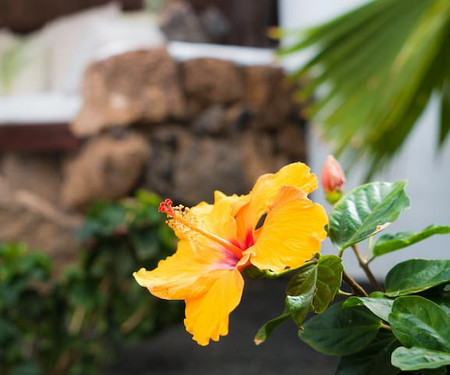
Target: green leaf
(439, 296)
(300, 293)
(365, 211)
(379, 306)
(415, 358)
(416, 275)
(391, 242)
(313, 287)
(148, 197)
(266, 330)
(375, 359)
(443, 302)
(445, 111)
(329, 279)
(416, 321)
(102, 220)
(340, 331)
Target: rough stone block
(106, 168)
(211, 80)
(39, 174)
(27, 217)
(138, 86)
(268, 95)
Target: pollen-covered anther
(177, 217)
(185, 223)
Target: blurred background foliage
(373, 72)
(74, 323)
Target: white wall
(427, 171)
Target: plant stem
(369, 250)
(366, 269)
(385, 326)
(342, 293)
(358, 289)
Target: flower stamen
(177, 215)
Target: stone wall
(181, 129)
(208, 124)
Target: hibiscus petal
(292, 232)
(266, 189)
(176, 277)
(236, 201)
(221, 220)
(207, 314)
(295, 174)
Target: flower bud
(332, 179)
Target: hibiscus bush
(401, 326)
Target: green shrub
(74, 324)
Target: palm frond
(374, 72)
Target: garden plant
(72, 323)
(372, 73)
(402, 326)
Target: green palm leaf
(374, 72)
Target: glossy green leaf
(416, 275)
(312, 288)
(416, 358)
(391, 242)
(329, 279)
(300, 293)
(266, 330)
(365, 211)
(416, 321)
(340, 331)
(443, 302)
(438, 295)
(375, 359)
(381, 307)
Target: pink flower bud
(332, 179)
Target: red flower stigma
(166, 207)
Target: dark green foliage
(418, 318)
(404, 328)
(24, 307)
(375, 359)
(73, 324)
(340, 331)
(312, 288)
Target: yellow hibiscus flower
(275, 227)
